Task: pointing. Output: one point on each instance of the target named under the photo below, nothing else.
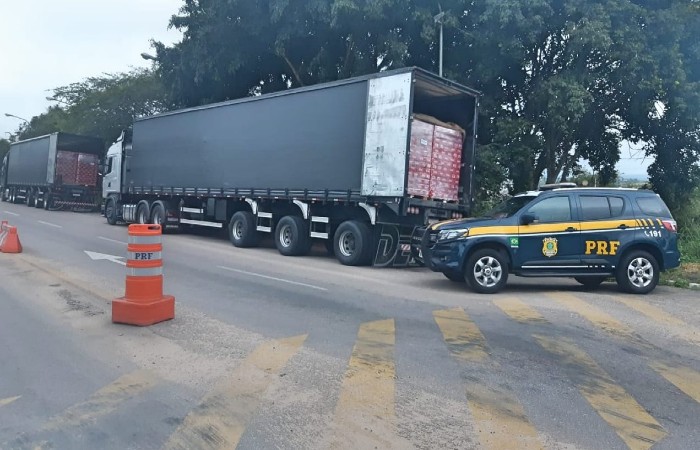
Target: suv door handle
(623, 227)
(571, 229)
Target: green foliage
(689, 228)
(4, 148)
(101, 106)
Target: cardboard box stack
(435, 159)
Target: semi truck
(358, 163)
(56, 171)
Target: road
(267, 351)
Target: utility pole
(438, 19)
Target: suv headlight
(446, 235)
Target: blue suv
(589, 234)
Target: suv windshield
(509, 207)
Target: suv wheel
(638, 272)
(486, 271)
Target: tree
(101, 106)
(4, 148)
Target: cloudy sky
(49, 43)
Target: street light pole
(147, 56)
(438, 19)
(16, 117)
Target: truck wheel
(158, 215)
(638, 272)
(242, 230)
(111, 211)
(142, 215)
(292, 236)
(590, 282)
(486, 271)
(352, 243)
(39, 203)
(31, 199)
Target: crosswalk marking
(684, 378)
(365, 415)
(519, 310)
(221, 418)
(7, 401)
(635, 426)
(462, 336)
(105, 400)
(675, 325)
(499, 417)
(599, 318)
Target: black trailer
(55, 171)
(335, 161)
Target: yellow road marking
(365, 415)
(7, 401)
(675, 325)
(221, 418)
(499, 417)
(594, 315)
(684, 378)
(637, 428)
(463, 337)
(105, 400)
(520, 311)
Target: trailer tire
(158, 215)
(292, 236)
(143, 215)
(39, 200)
(242, 230)
(352, 243)
(111, 211)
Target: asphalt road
(267, 351)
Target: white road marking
(11, 213)
(101, 256)
(49, 224)
(111, 240)
(281, 280)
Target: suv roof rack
(549, 187)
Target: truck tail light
(670, 225)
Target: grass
(689, 246)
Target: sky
(45, 44)
(50, 43)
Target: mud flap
(394, 247)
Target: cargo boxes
(76, 169)
(435, 159)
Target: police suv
(589, 234)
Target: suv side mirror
(527, 219)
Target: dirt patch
(74, 304)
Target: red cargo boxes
(66, 167)
(434, 164)
(87, 169)
(76, 169)
(420, 158)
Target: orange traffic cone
(10, 240)
(144, 303)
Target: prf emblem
(549, 247)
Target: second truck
(359, 164)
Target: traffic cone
(144, 303)
(10, 241)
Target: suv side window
(552, 210)
(597, 207)
(653, 206)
